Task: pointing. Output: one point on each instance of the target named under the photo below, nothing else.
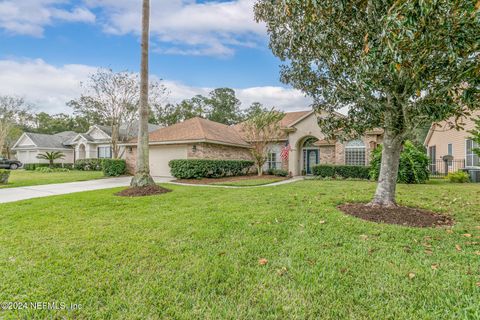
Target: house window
(432, 153)
(450, 153)
(355, 153)
(471, 159)
(272, 160)
(104, 152)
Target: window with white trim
(272, 161)
(355, 154)
(104, 152)
(471, 158)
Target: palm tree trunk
(142, 176)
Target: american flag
(285, 150)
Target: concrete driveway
(24, 193)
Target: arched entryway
(81, 152)
(310, 154)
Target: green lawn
(249, 182)
(22, 178)
(193, 254)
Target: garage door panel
(161, 155)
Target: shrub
(344, 172)
(88, 164)
(114, 167)
(4, 175)
(49, 170)
(199, 168)
(278, 172)
(413, 166)
(458, 177)
(34, 166)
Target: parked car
(9, 164)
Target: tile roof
(198, 129)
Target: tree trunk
(387, 180)
(142, 176)
(259, 170)
(115, 137)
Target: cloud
(50, 87)
(187, 27)
(46, 86)
(30, 17)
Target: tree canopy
(396, 65)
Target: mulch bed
(142, 191)
(404, 216)
(228, 179)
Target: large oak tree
(396, 65)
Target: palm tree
(51, 157)
(142, 176)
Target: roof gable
(24, 141)
(467, 121)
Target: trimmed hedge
(114, 167)
(200, 168)
(89, 165)
(339, 171)
(34, 166)
(278, 172)
(4, 175)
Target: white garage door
(161, 155)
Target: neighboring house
(95, 143)
(30, 145)
(199, 138)
(443, 140)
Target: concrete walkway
(30, 192)
(294, 179)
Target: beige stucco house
(199, 138)
(443, 140)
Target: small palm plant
(51, 157)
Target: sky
(47, 47)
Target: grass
(249, 182)
(23, 178)
(193, 254)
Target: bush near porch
(202, 168)
(88, 164)
(344, 172)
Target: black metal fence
(440, 168)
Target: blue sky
(48, 46)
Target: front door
(312, 160)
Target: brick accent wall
(327, 155)
(131, 159)
(217, 151)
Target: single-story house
(195, 138)
(442, 139)
(95, 143)
(30, 145)
(198, 138)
